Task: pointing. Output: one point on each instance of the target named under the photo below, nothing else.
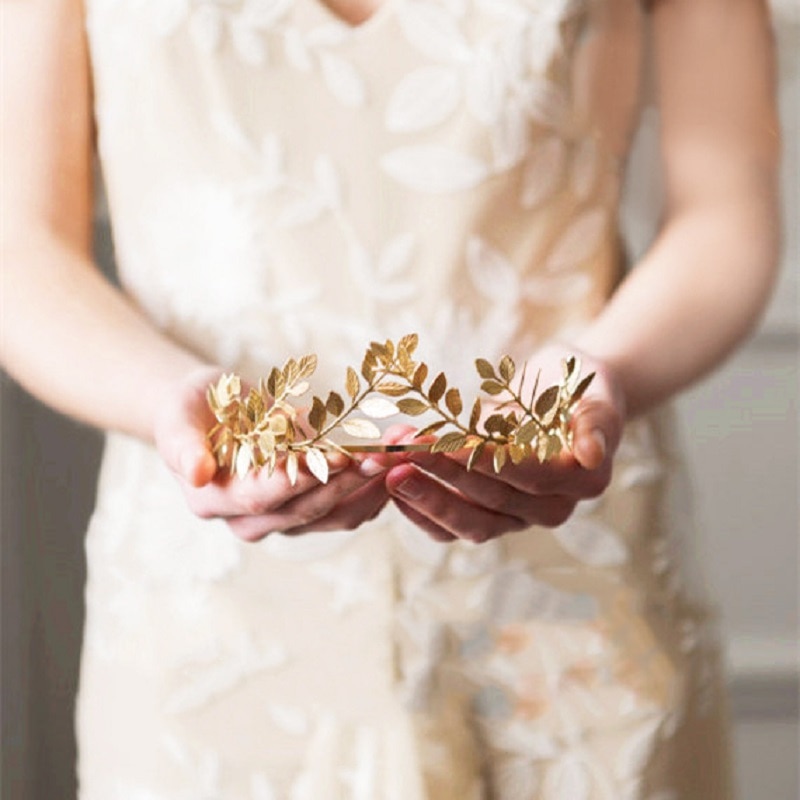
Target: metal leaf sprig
(252, 431)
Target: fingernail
(370, 467)
(188, 462)
(600, 438)
(410, 489)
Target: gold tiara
(255, 429)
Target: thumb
(182, 442)
(595, 432)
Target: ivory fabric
(281, 183)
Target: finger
(259, 492)
(423, 523)
(531, 477)
(355, 509)
(445, 507)
(596, 431)
(183, 443)
(312, 512)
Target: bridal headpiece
(514, 422)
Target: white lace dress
(281, 183)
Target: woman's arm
(703, 284)
(75, 341)
(67, 335)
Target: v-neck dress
(282, 183)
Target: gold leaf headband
(253, 430)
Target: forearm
(696, 294)
(76, 342)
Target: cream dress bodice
(282, 183)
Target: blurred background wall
(741, 433)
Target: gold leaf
(507, 369)
(290, 371)
(298, 389)
(420, 374)
(581, 388)
(546, 402)
(266, 442)
(316, 417)
(292, 467)
(492, 387)
(352, 383)
(278, 424)
(317, 464)
(404, 360)
(499, 458)
(553, 447)
(382, 352)
(368, 367)
(392, 389)
(568, 366)
(438, 387)
(255, 405)
(485, 369)
(409, 342)
(432, 428)
(334, 404)
(518, 452)
(453, 401)
(307, 366)
(361, 428)
(412, 406)
(495, 424)
(475, 416)
(526, 432)
(378, 407)
(275, 382)
(244, 459)
(475, 454)
(449, 443)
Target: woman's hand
(436, 491)
(259, 504)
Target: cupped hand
(260, 504)
(442, 497)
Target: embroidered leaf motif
(433, 31)
(433, 168)
(579, 242)
(343, 79)
(297, 53)
(485, 87)
(591, 542)
(289, 719)
(396, 256)
(557, 290)
(510, 136)
(546, 104)
(265, 13)
(567, 777)
(424, 98)
(491, 272)
(205, 28)
(248, 43)
(544, 169)
(260, 787)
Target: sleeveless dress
(280, 183)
